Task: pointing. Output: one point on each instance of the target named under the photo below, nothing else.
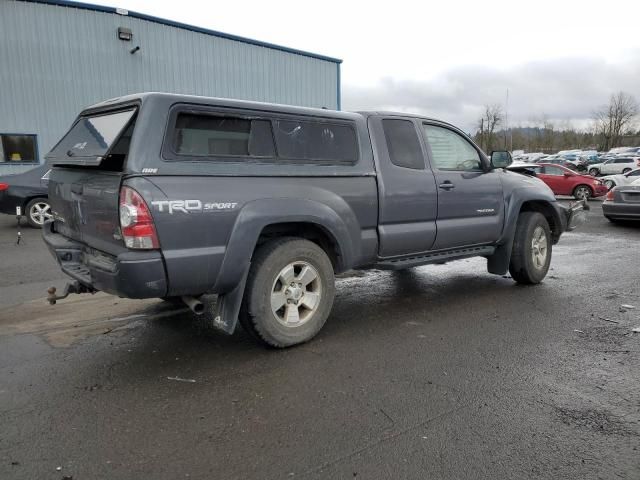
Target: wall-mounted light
(125, 34)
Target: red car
(564, 181)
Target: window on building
(316, 141)
(403, 143)
(208, 135)
(18, 148)
(451, 151)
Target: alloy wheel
(40, 212)
(539, 247)
(583, 193)
(296, 294)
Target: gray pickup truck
(171, 196)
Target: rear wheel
(594, 172)
(289, 293)
(582, 192)
(38, 211)
(531, 254)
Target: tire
(582, 192)
(274, 313)
(37, 212)
(529, 263)
(594, 172)
(626, 170)
(612, 220)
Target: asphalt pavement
(438, 372)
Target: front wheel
(531, 254)
(289, 292)
(582, 192)
(609, 184)
(38, 211)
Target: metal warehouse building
(58, 57)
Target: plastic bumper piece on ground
(576, 214)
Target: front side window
(316, 141)
(450, 151)
(553, 171)
(18, 148)
(202, 135)
(403, 143)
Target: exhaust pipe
(195, 305)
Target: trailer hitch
(69, 288)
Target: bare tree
(490, 120)
(614, 120)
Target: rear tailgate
(84, 183)
(85, 207)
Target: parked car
(28, 191)
(564, 181)
(626, 151)
(563, 162)
(614, 166)
(262, 204)
(622, 203)
(620, 180)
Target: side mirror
(568, 174)
(500, 159)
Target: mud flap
(225, 313)
(498, 263)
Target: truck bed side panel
(197, 216)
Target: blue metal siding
(58, 59)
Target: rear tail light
(610, 195)
(136, 222)
(3, 186)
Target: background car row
(27, 192)
(562, 180)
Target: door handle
(447, 185)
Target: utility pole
(506, 121)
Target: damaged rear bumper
(130, 274)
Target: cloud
(559, 89)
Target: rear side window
(208, 135)
(403, 144)
(316, 141)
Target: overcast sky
(560, 59)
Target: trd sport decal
(191, 206)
